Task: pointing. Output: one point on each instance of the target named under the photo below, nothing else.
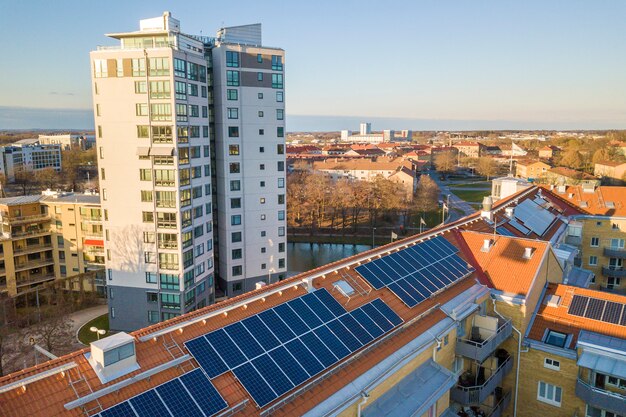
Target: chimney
(528, 253)
(486, 245)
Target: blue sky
(402, 64)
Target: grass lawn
(85, 336)
(472, 196)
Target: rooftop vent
(528, 253)
(486, 245)
(113, 356)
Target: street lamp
(97, 331)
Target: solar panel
(178, 400)
(612, 312)
(149, 404)
(416, 272)
(578, 305)
(189, 395)
(203, 392)
(274, 351)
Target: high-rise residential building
(157, 96)
(249, 104)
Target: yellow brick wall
(605, 232)
(532, 371)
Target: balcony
(479, 349)
(613, 271)
(615, 253)
(600, 398)
(22, 266)
(476, 394)
(32, 248)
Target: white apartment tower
(166, 153)
(249, 137)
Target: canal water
(303, 257)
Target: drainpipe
(519, 351)
(365, 396)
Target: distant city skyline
(423, 65)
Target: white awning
(603, 364)
(143, 151)
(162, 151)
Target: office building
(157, 97)
(456, 321)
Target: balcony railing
(600, 398)
(615, 253)
(613, 271)
(480, 350)
(478, 393)
(33, 264)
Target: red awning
(94, 242)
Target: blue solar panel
(332, 342)
(347, 338)
(261, 333)
(304, 357)
(229, 352)
(177, 400)
(387, 312)
(292, 320)
(305, 313)
(260, 391)
(273, 322)
(367, 323)
(356, 329)
(330, 302)
(149, 404)
(272, 374)
(323, 354)
(203, 392)
(120, 410)
(244, 340)
(206, 356)
(290, 366)
(318, 307)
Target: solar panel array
(534, 217)
(278, 349)
(596, 309)
(190, 395)
(417, 272)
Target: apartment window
(595, 242)
(259, 76)
(235, 203)
(277, 80)
(281, 231)
(180, 68)
(555, 338)
(232, 78)
(617, 243)
(281, 183)
(593, 260)
(235, 237)
(235, 220)
(232, 59)
(233, 113)
(280, 114)
(237, 254)
(260, 113)
(233, 131)
(280, 96)
(280, 132)
(280, 166)
(280, 149)
(141, 109)
(234, 168)
(235, 185)
(549, 394)
(259, 58)
(232, 94)
(233, 150)
(277, 63)
(260, 96)
(552, 364)
(237, 270)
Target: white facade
(151, 115)
(248, 84)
